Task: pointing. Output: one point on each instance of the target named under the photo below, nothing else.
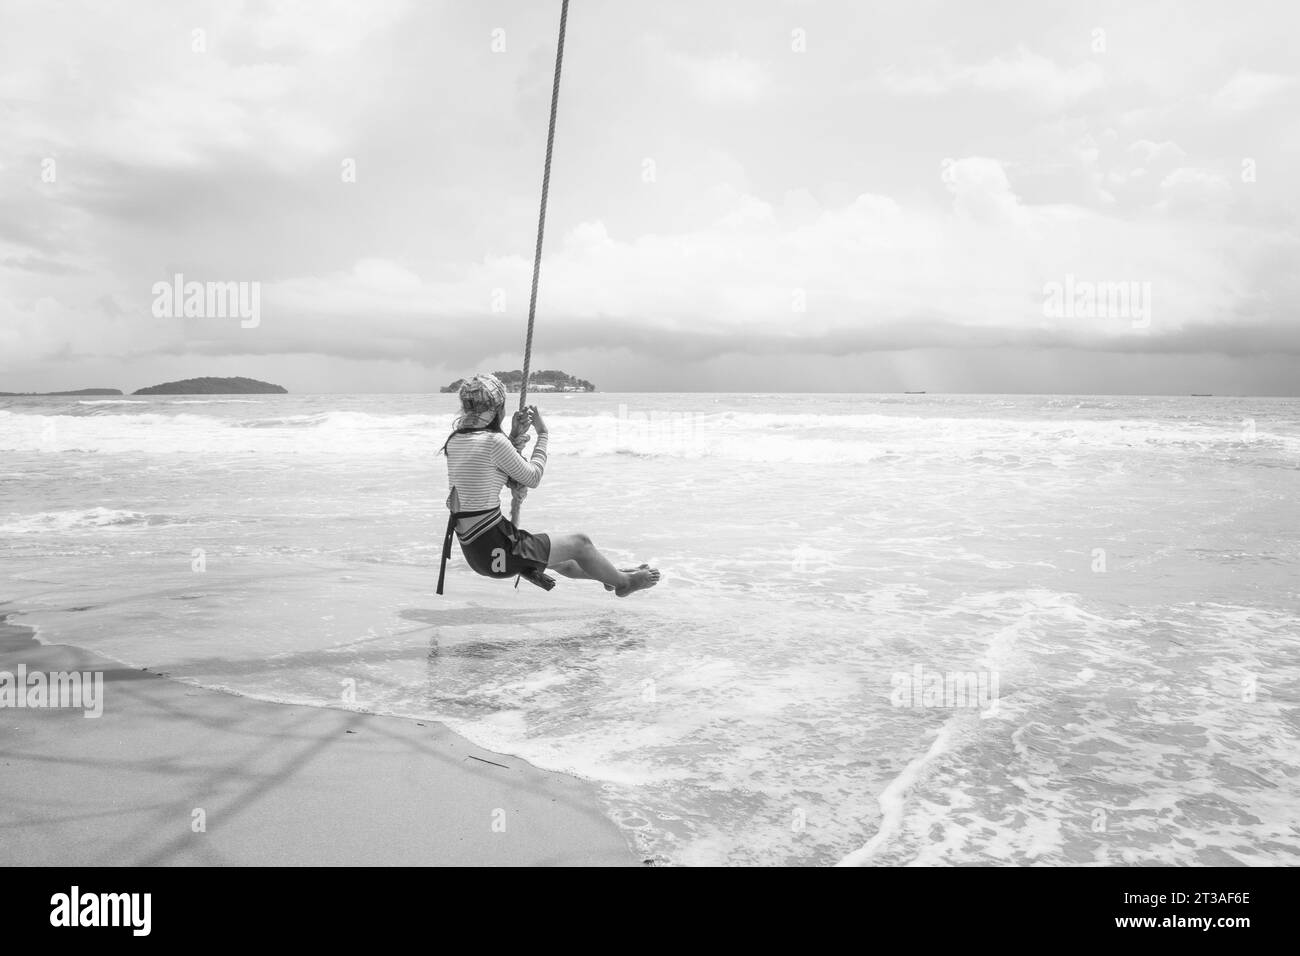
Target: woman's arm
(527, 473)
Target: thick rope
(517, 494)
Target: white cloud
(723, 79)
(1036, 76)
(165, 98)
(323, 26)
(1249, 90)
(1024, 74)
(1157, 154)
(870, 263)
(982, 192)
(1191, 189)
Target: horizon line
(72, 393)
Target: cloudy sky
(747, 195)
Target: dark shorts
(501, 550)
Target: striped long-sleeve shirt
(478, 464)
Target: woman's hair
(495, 425)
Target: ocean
(908, 629)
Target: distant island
(80, 391)
(547, 380)
(213, 386)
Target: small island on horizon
(80, 391)
(186, 386)
(547, 380)
(214, 386)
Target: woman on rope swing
(480, 460)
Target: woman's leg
(573, 553)
(570, 569)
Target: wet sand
(272, 784)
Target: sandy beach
(273, 784)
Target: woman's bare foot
(639, 567)
(639, 580)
